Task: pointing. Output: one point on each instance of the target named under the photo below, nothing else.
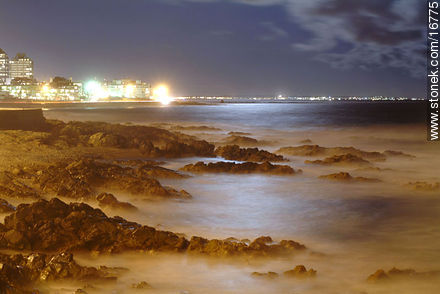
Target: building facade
(128, 89)
(21, 66)
(4, 67)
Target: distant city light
(160, 94)
(95, 91)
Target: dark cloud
(378, 33)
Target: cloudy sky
(227, 47)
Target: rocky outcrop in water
(300, 271)
(346, 159)
(316, 150)
(59, 227)
(6, 207)
(151, 141)
(13, 187)
(398, 274)
(424, 186)
(110, 201)
(234, 152)
(20, 273)
(346, 177)
(242, 141)
(239, 168)
(80, 178)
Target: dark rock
(346, 177)
(109, 200)
(241, 141)
(5, 207)
(316, 150)
(58, 227)
(12, 187)
(398, 274)
(80, 179)
(239, 168)
(346, 159)
(300, 271)
(141, 285)
(234, 152)
(21, 272)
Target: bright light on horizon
(95, 91)
(160, 94)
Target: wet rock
(397, 154)
(59, 227)
(234, 152)
(316, 150)
(79, 180)
(109, 200)
(141, 285)
(346, 177)
(424, 186)
(22, 272)
(259, 247)
(13, 187)
(241, 141)
(151, 141)
(239, 134)
(5, 207)
(300, 271)
(346, 159)
(154, 171)
(239, 168)
(101, 139)
(268, 275)
(394, 274)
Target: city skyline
(255, 53)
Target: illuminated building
(128, 89)
(61, 89)
(21, 66)
(23, 88)
(4, 67)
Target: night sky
(234, 47)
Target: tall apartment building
(21, 66)
(4, 66)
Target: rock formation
(234, 152)
(346, 159)
(300, 271)
(80, 178)
(109, 200)
(397, 274)
(19, 273)
(346, 177)
(239, 168)
(5, 207)
(316, 150)
(424, 186)
(59, 227)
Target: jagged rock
(268, 275)
(58, 227)
(5, 207)
(424, 186)
(300, 271)
(239, 168)
(109, 200)
(346, 159)
(195, 128)
(21, 272)
(80, 178)
(151, 141)
(398, 274)
(258, 247)
(154, 171)
(344, 176)
(234, 152)
(397, 153)
(141, 285)
(12, 187)
(316, 150)
(239, 134)
(242, 141)
(102, 139)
